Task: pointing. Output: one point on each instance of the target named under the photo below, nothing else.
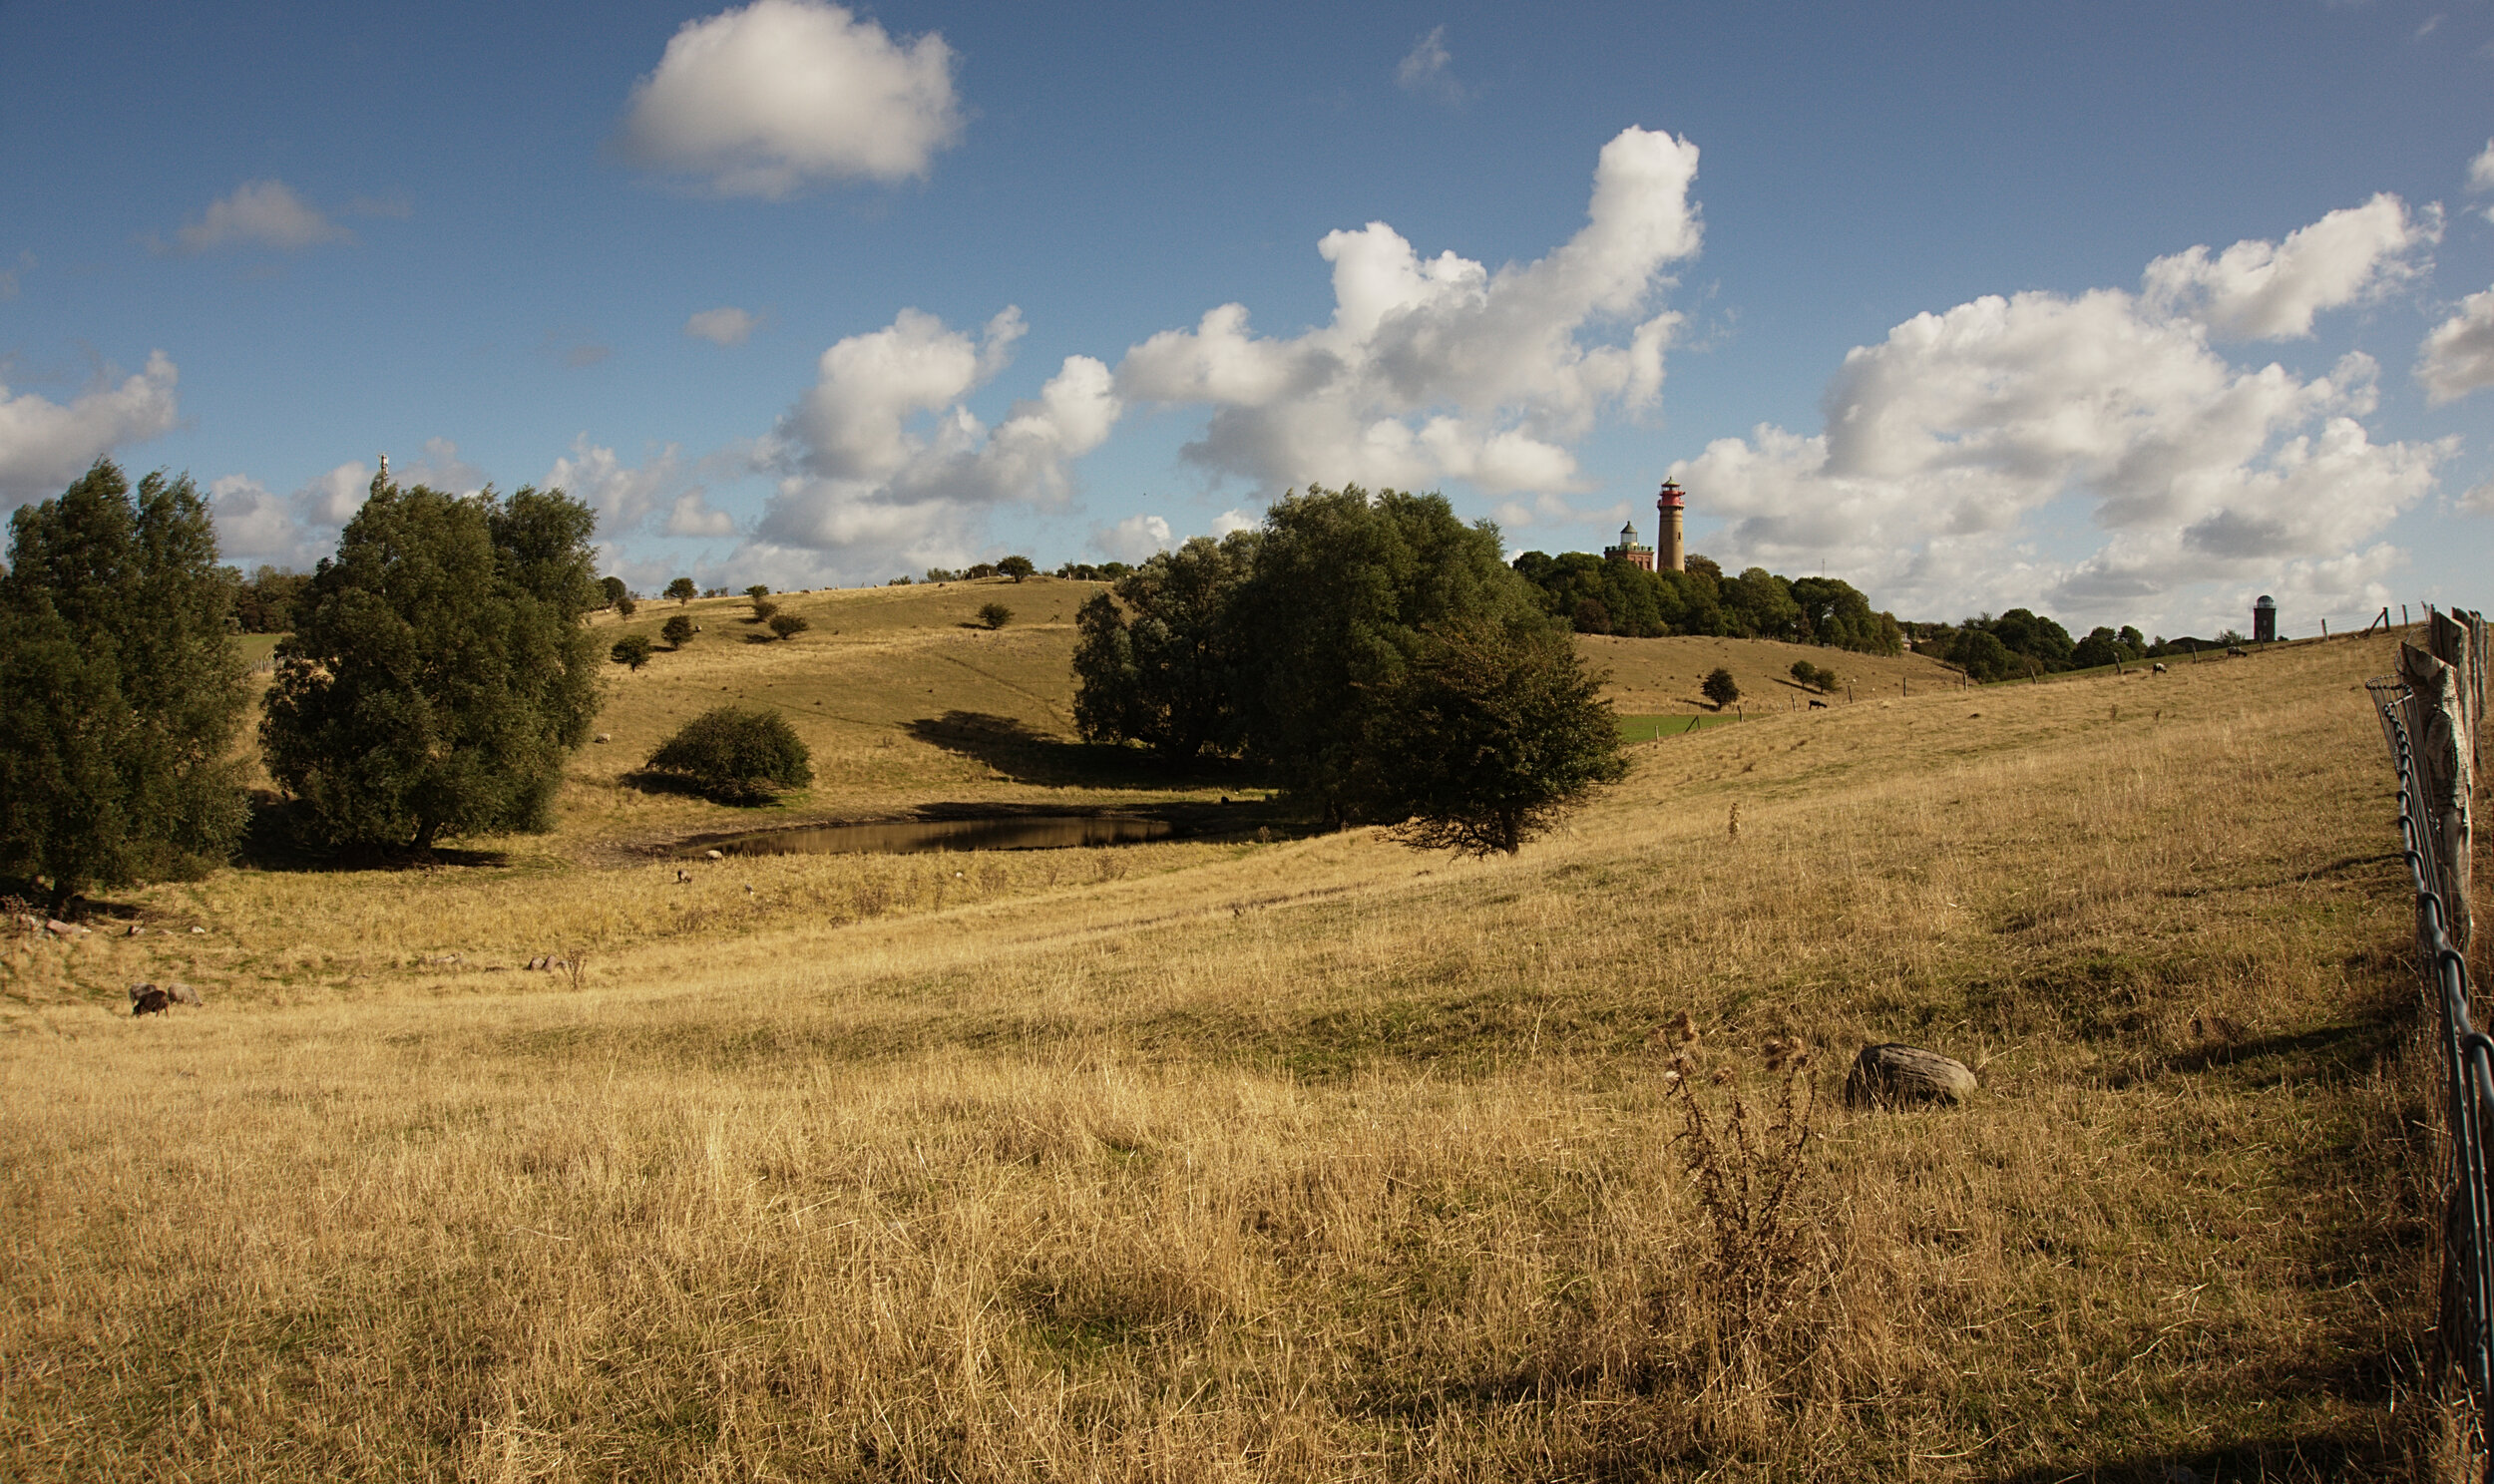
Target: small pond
(910, 837)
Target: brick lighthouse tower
(1669, 555)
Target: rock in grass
(1890, 1074)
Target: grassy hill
(1305, 1158)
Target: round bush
(677, 632)
(632, 650)
(788, 625)
(995, 616)
(736, 755)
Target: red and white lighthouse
(1669, 554)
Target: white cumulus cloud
(723, 327)
(1440, 368)
(2457, 356)
(881, 459)
(260, 214)
(1133, 539)
(623, 495)
(766, 100)
(1944, 444)
(692, 516)
(2258, 290)
(44, 444)
(2481, 168)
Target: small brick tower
(1669, 554)
(2265, 621)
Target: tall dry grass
(1306, 1160)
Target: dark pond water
(1042, 832)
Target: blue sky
(2122, 312)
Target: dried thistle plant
(1750, 1166)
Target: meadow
(1301, 1158)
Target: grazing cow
(2158, 668)
(146, 999)
(2238, 654)
(1817, 705)
(181, 994)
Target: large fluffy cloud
(260, 214)
(2256, 290)
(44, 444)
(623, 495)
(254, 525)
(881, 459)
(1944, 444)
(783, 93)
(1440, 368)
(2458, 354)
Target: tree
(439, 671)
(736, 755)
(626, 605)
(630, 651)
(265, 603)
(613, 590)
(763, 608)
(994, 614)
(1016, 567)
(1496, 733)
(1815, 676)
(788, 625)
(1168, 675)
(1720, 687)
(121, 688)
(683, 591)
(1342, 587)
(676, 631)
(758, 591)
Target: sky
(2126, 314)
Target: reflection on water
(1046, 832)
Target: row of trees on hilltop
(1597, 596)
(437, 676)
(1376, 654)
(2023, 643)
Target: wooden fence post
(2446, 776)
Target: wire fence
(2429, 716)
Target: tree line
(435, 676)
(2021, 642)
(1607, 595)
(1375, 654)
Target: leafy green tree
(121, 688)
(632, 652)
(1720, 687)
(788, 625)
(2102, 646)
(683, 591)
(994, 614)
(439, 671)
(264, 602)
(1495, 732)
(1166, 677)
(626, 605)
(1018, 568)
(676, 631)
(614, 590)
(1343, 586)
(758, 591)
(736, 755)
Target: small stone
(201, 930)
(1892, 1073)
(603, 737)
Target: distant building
(1671, 556)
(2265, 621)
(1628, 551)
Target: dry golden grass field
(1308, 1159)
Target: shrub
(683, 590)
(788, 625)
(677, 632)
(1721, 688)
(625, 605)
(632, 650)
(763, 608)
(1817, 676)
(995, 616)
(736, 756)
(758, 591)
